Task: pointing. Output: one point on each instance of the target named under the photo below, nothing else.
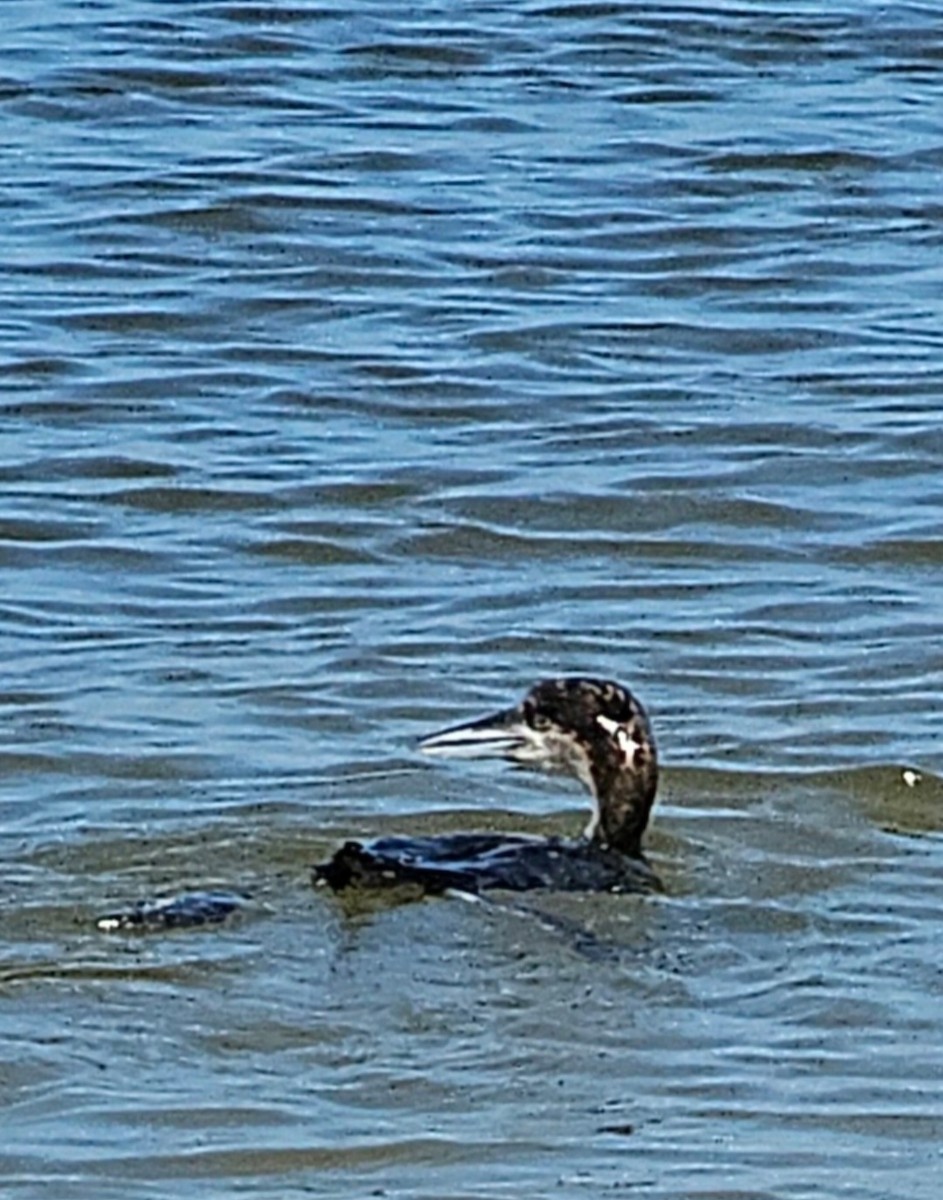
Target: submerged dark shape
(592, 729)
(182, 911)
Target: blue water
(360, 367)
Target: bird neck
(623, 802)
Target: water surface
(361, 367)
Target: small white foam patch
(623, 739)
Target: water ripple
(362, 366)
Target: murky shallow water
(359, 369)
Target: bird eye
(540, 722)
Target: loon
(593, 729)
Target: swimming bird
(593, 729)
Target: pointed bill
(497, 736)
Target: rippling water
(359, 368)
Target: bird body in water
(592, 729)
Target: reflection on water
(360, 369)
(757, 1022)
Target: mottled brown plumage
(593, 729)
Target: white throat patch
(628, 746)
